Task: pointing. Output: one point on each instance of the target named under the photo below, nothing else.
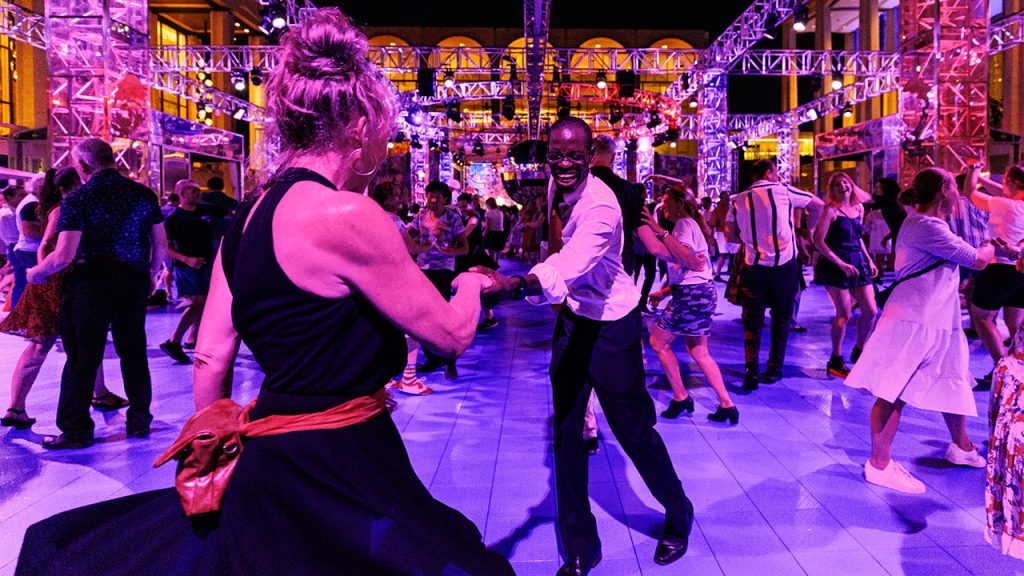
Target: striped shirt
(968, 221)
(764, 216)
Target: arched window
(387, 40)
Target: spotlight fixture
(208, 121)
(279, 22)
(654, 119)
(238, 79)
(672, 144)
(812, 114)
(414, 142)
(478, 146)
(837, 74)
(837, 83)
(692, 102)
(208, 108)
(673, 133)
(201, 76)
(256, 76)
(239, 113)
(848, 111)
(453, 111)
(508, 107)
(449, 79)
(602, 80)
(563, 107)
(513, 68)
(800, 16)
(615, 116)
(556, 75)
(201, 113)
(730, 144)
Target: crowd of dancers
(325, 483)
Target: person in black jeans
(111, 229)
(762, 218)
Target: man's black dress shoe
(578, 566)
(750, 381)
(771, 375)
(62, 442)
(670, 548)
(138, 432)
(673, 543)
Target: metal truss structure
(197, 58)
(536, 18)
(1007, 33)
(195, 91)
(714, 158)
(761, 126)
(810, 62)
(735, 41)
(22, 25)
(467, 91)
(944, 83)
(96, 89)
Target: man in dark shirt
(225, 205)
(629, 195)
(190, 245)
(112, 230)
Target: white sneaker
(961, 457)
(894, 476)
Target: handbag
(733, 291)
(210, 443)
(883, 295)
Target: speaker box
(425, 82)
(626, 79)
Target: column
(222, 34)
(788, 157)
(97, 79)
(870, 40)
(823, 41)
(1013, 81)
(418, 172)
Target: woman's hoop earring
(359, 153)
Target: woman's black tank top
(316, 352)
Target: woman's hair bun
(326, 46)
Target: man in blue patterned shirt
(111, 230)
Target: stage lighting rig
(449, 79)
(615, 116)
(602, 80)
(453, 111)
(508, 107)
(800, 17)
(654, 119)
(848, 111)
(256, 76)
(238, 79)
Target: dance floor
(780, 494)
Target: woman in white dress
(918, 352)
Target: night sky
(747, 94)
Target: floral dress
(1004, 503)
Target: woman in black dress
(298, 280)
(844, 267)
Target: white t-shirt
(1006, 222)
(688, 233)
(8, 226)
(876, 229)
(26, 212)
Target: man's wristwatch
(517, 292)
(663, 235)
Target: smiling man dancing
(596, 345)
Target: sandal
(108, 401)
(20, 420)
